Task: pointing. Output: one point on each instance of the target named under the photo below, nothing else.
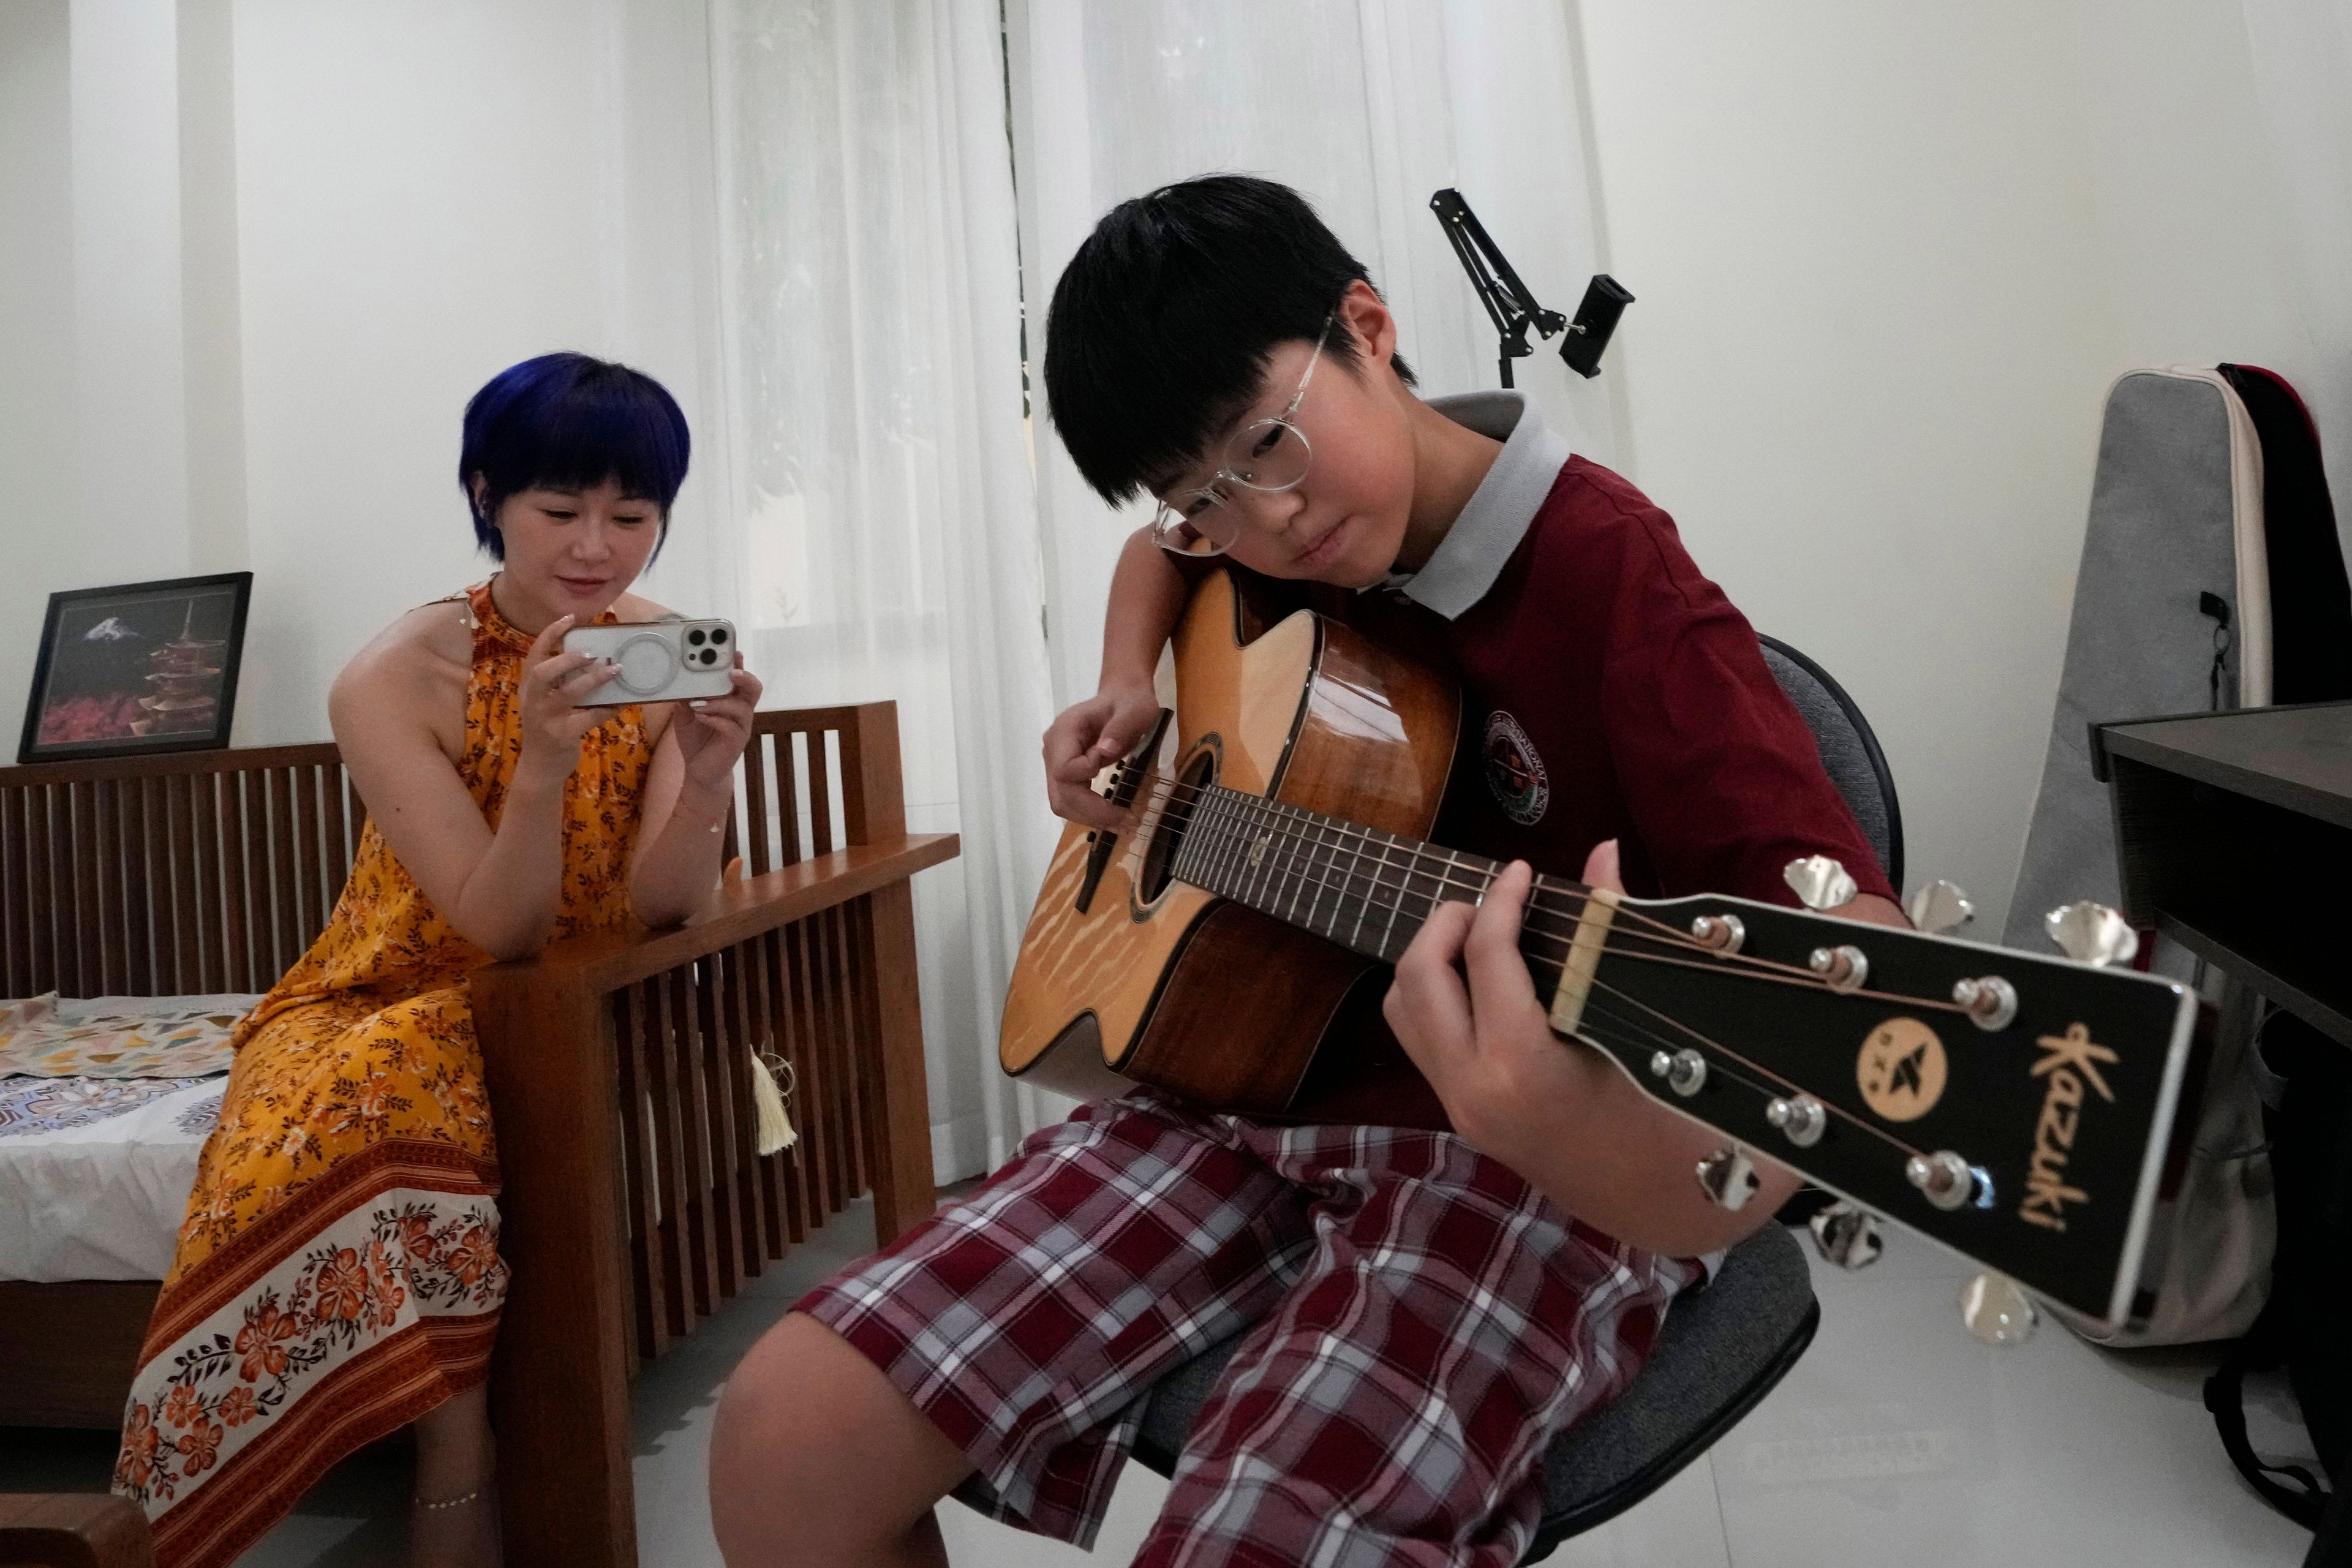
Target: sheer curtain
(887, 539)
(1366, 106)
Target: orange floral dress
(338, 1273)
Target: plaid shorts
(1420, 1324)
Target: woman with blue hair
(338, 1274)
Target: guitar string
(1668, 935)
(1718, 1045)
(1304, 873)
(1787, 974)
(1617, 1020)
(1803, 980)
(1543, 885)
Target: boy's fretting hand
(1088, 738)
(1486, 1045)
(1557, 1111)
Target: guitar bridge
(1124, 782)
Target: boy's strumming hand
(1088, 737)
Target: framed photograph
(144, 666)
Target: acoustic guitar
(2011, 1106)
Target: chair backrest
(1850, 752)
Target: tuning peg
(1941, 908)
(1948, 1180)
(1819, 881)
(1729, 1177)
(2092, 933)
(1997, 1309)
(1846, 1234)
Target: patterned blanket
(33, 1105)
(119, 1037)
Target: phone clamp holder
(1512, 307)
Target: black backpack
(2308, 1113)
(2307, 1104)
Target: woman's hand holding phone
(712, 731)
(554, 724)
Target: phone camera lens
(695, 638)
(719, 634)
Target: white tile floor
(1897, 1439)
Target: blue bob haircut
(565, 421)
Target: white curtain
(2302, 52)
(870, 311)
(1366, 106)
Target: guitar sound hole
(1160, 858)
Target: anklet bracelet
(453, 1502)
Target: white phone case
(658, 661)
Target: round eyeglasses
(1265, 456)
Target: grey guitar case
(2171, 616)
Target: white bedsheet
(102, 1199)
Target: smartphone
(658, 661)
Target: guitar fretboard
(1365, 889)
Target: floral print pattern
(411, 1257)
(346, 1197)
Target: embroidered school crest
(1514, 772)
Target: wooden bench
(619, 1064)
(72, 1530)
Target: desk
(2234, 835)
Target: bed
(619, 1064)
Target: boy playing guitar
(1428, 1306)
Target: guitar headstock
(2013, 1106)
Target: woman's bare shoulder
(408, 665)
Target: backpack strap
(2306, 1502)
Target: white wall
(44, 531)
(255, 255)
(427, 193)
(1888, 257)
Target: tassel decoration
(774, 1128)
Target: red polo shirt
(1609, 690)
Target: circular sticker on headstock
(1901, 1069)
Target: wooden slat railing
(196, 872)
(623, 1063)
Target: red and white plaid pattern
(1425, 1322)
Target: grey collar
(1473, 553)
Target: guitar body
(1156, 981)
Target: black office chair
(1850, 752)
(1722, 1348)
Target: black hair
(1163, 323)
(570, 422)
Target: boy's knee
(766, 1410)
(816, 1457)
